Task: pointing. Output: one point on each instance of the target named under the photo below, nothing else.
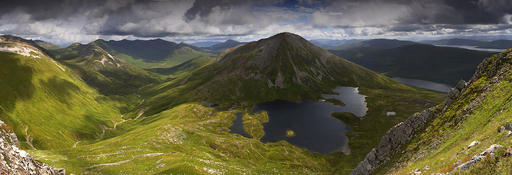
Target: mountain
(372, 44)
(63, 120)
(455, 41)
(109, 74)
(284, 66)
(183, 68)
(418, 61)
(47, 45)
(466, 134)
(287, 67)
(204, 43)
(44, 102)
(328, 43)
(495, 44)
(149, 54)
(225, 45)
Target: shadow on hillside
(15, 81)
(91, 128)
(60, 89)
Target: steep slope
(288, 67)
(46, 104)
(78, 129)
(16, 161)
(149, 54)
(109, 74)
(225, 45)
(418, 61)
(467, 134)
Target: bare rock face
(16, 161)
(392, 141)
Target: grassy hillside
(284, 66)
(185, 67)
(476, 115)
(152, 54)
(47, 105)
(73, 126)
(109, 74)
(232, 82)
(188, 139)
(418, 61)
(225, 45)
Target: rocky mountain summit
(16, 161)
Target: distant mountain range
(204, 43)
(224, 45)
(413, 60)
(150, 54)
(328, 43)
(495, 44)
(71, 105)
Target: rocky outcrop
(477, 158)
(494, 68)
(402, 133)
(16, 161)
(392, 141)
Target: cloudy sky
(66, 21)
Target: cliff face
(401, 134)
(435, 140)
(16, 161)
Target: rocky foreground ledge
(402, 133)
(16, 161)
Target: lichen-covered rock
(392, 141)
(460, 85)
(16, 161)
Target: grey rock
(508, 127)
(501, 128)
(477, 158)
(454, 93)
(460, 85)
(19, 161)
(390, 143)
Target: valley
(160, 125)
(273, 87)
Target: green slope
(109, 74)
(284, 66)
(475, 115)
(48, 106)
(169, 132)
(184, 68)
(152, 54)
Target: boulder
(16, 161)
(454, 93)
(501, 128)
(472, 144)
(460, 85)
(508, 127)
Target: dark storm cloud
(82, 20)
